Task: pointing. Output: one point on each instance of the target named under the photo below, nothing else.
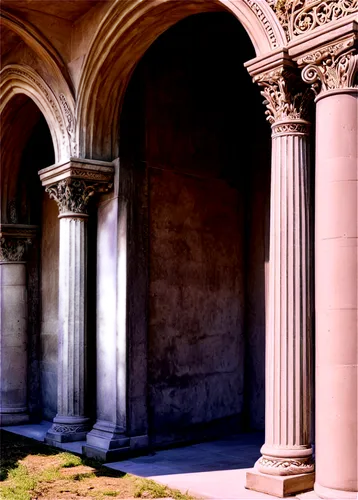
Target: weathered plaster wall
(208, 204)
(49, 309)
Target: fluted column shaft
(287, 449)
(70, 422)
(71, 185)
(286, 464)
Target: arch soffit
(121, 40)
(20, 79)
(41, 46)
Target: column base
(13, 419)
(279, 486)
(324, 492)
(107, 442)
(67, 429)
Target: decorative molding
(297, 128)
(69, 429)
(284, 466)
(255, 7)
(286, 97)
(71, 124)
(73, 195)
(42, 91)
(332, 66)
(14, 240)
(298, 17)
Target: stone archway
(26, 224)
(123, 37)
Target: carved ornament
(298, 17)
(71, 125)
(286, 97)
(69, 429)
(72, 184)
(284, 466)
(73, 195)
(260, 14)
(332, 66)
(14, 241)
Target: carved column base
(324, 492)
(284, 466)
(107, 442)
(66, 429)
(279, 486)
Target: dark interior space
(193, 132)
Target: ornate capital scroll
(14, 240)
(333, 66)
(298, 17)
(75, 182)
(287, 99)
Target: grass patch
(30, 469)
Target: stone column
(332, 70)
(13, 323)
(286, 465)
(72, 184)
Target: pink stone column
(287, 449)
(286, 464)
(332, 70)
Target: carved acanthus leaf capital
(73, 195)
(14, 241)
(332, 66)
(72, 184)
(286, 96)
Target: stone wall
(208, 197)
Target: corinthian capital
(74, 183)
(14, 240)
(286, 96)
(333, 66)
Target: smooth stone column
(286, 464)
(332, 70)
(13, 324)
(72, 185)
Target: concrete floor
(214, 470)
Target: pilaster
(72, 185)
(286, 465)
(14, 239)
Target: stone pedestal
(286, 466)
(332, 70)
(72, 184)
(13, 323)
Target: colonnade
(286, 465)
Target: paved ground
(213, 470)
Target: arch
(40, 45)
(20, 79)
(121, 40)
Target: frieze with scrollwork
(298, 17)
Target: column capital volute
(330, 63)
(73, 183)
(14, 241)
